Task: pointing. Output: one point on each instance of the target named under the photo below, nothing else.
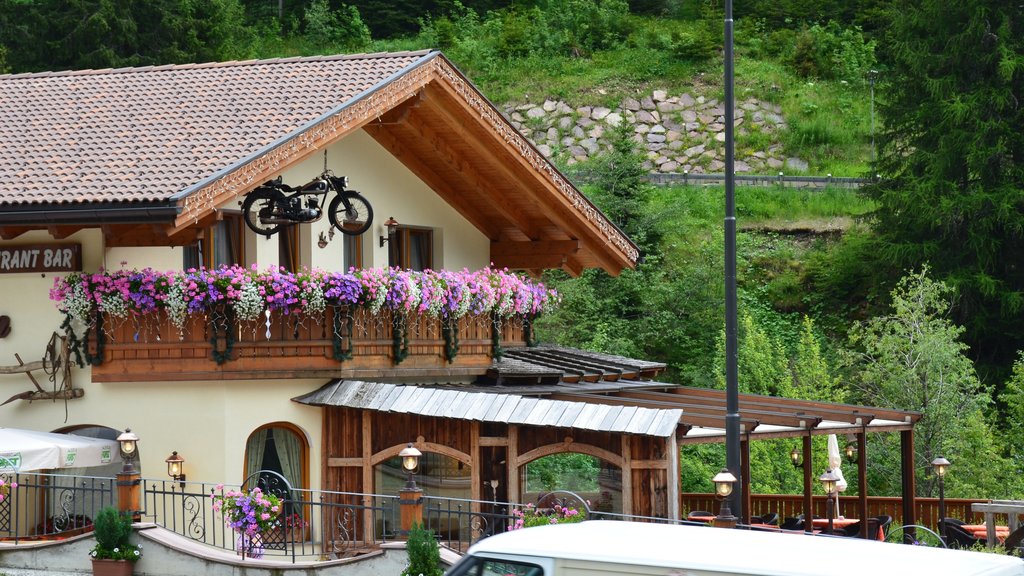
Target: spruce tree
(951, 160)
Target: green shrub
(342, 28)
(832, 53)
(112, 530)
(424, 556)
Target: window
(288, 248)
(353, 248)
(412, 248)
(480, 566)
(281, 448)
(221, 245)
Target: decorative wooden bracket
(56, 364)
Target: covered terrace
(547, 400)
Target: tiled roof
(144, 134)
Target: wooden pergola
(542, 401)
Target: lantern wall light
(796, 457)
(850, 451)
(176, 468)
(392, 225)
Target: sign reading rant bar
(41, 258)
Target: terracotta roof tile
(144, 134)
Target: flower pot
(112, 567)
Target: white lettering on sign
(41, 258)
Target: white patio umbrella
(27, 450)
(835, 463)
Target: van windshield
(477, 566)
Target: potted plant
(113, 554)
(249, 514)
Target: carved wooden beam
(12, 232)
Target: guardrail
(780, 179)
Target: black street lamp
(941, 466)
(732, 395)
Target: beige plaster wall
(208, 422)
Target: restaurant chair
(1013, 542)
(957, 537)
(792, 523)
(884, 521)
(769, 518)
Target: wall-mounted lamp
(391, 224)
(176, 468)
(129, 448)
(796, 457)
(410, 461)
(850, 452)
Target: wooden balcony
(213, 347)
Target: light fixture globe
(796, 457)
(941, 466)
(851, 452)
(410, 458)
(828, 481)
(724, 482)
(174, 465)
(129, 443)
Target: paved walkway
(25, 572)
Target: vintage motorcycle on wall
(274, 205)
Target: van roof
(739, 551)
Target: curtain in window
(226, 243)
(254, 450)
(420, 245)
(289, 453)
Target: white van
(605, 547)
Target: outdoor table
(838, 523)
(979, 531)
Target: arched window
(280, 447)
(438, 475)
(593, 479)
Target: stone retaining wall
(677, 133)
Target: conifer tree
(951, 160)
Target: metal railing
(44, 506)
(315, 525)
(700, 179)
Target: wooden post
(862, 483)
(411, 509)
(907, 458)
(808, 502)
(745, 477)
(128, 491)
(673, 477)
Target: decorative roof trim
(490, 114)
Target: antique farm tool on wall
(57, 367)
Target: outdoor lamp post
(410, 498)
(176, 468)
(941, 465)
(128, 478)
(724, 482)
(828, 482)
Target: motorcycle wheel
(262, 203)
(350, 213)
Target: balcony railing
(342, 342)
